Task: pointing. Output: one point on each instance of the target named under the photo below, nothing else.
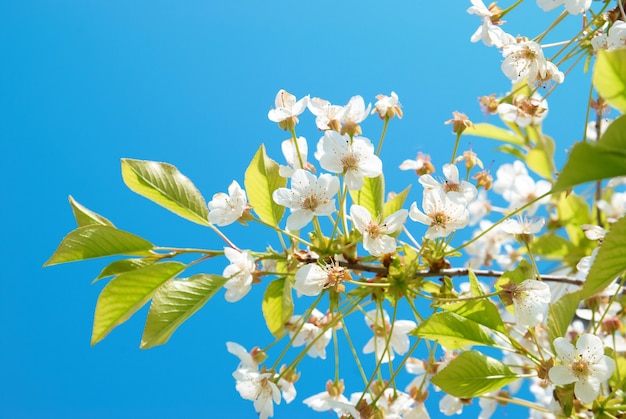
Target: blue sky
(85, 83)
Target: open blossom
(312, 331)
(312, 279)
(354, 158)
(353, 114)
(388, 106)
(592, 129)
(225, 209)
(574, 7)
(378, 321)
(524, 111)
(327, 115)
(296, 157)
(332, 399)
(486, 249)
(525, 59)
(376, 239)
(239, 272)
(442, 214)
(518, 188)
(247, 360)
(455, 188)
(421, 165)
(523, 225)
(489, 32)
(530, 302)
(260, 388)
(309, 196)
(287, 109)
(614, 209)
(585, 365)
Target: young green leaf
(493, 132)
(453, 331)
(540, 158)
(124, 265)
(261, 180)
(609, 77)
(472, 374)
(164, 185)
(395, 203)
(94, 241)
(371, 195)
(277, 305)
(174, 302)
(480, 311)
(561, 314)
(582, 165)
(85, 217)
(127, 293)
(610, 261)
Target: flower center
(580, 369)
(350, 162)
(439, 219)
(451, 187)
(310, 203)
(373, 230)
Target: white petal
(561, 375)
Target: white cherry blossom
(523, 225)
(260, 388)
(327, 115)
(530, 302)
(524, 59)
(450, 405)
(574, 7)
(614, 209)
(332, 399)
(312, 279)
(309, 196)
(353, 114)
(225, 209)
(616, 37)
(239, 274)
(518, 188)
(442, 214)
(287, 107)
(376, 235)
(585, 365)
(524, 111)
(312, 331)
(454, 187)
(421, 164)
(388, 106)
(378, 321)
(245, 357)
(353, 158)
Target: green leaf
(124, 265)
(475, 289)
(453, 331)
(277, 305)
(522, 272)
(551, 246)
(371, 195)
(610, 261)
(573, 212)
(164, 185)
(85, 217)
(615, 134)
(174, 302)
(127, 293)
(609, 77)
(493, 132)
(94, 241)
(261, 180)
(395, 203)
(480, 311)
(472, 374)
(561, 314)
(540, 158)
(583, 165)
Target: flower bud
(459, 122)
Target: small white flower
(456, 189)
(260, 388)
(308, 197)
(524, 111)
(353, 158)
(398, 341)
(388, 106)
(226, 209)
(312, 279)
(327, 116)
(585, 263)
(287, 107)
(586, 365)
(331, 399)
(295, 161)
(524, 59)
(574, 7)
(442, 214)
(239, 274)
(353, 114)
(593, 232)
(488, 247)
(616, 37)
(523, 225)
(312, 331)
(245, 357)
(376, 239)
(530, 302)
(450, 405)
(592, 129)
(518, 188)
(616, 208)
(421, 164)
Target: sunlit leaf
(94, 241)
(174, 302)
(85, 217)
(551, 246)
(163, 184)
(371, 195)
(124, 265)
(453, 331)
(396, 203)
(610, 261)
(472, 374)
(609, 77)
(561, 314)
(493, 132)
(540, 158)
(261, 180)
(277, 305)
(481, 311)
(127, 293)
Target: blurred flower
(518, 188)
(354, 158)
(421, 165)
(332, 399)
(376, 239)
(616, 208)
(260, 388)
(308, 197)
(450, 405)
(311, 332)
(592, 129)
(225, 209)
(459, 122)
(585, 365)
(616, 37)
(574, 7)
(523, 225)
(530, 302)
(378, 321)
